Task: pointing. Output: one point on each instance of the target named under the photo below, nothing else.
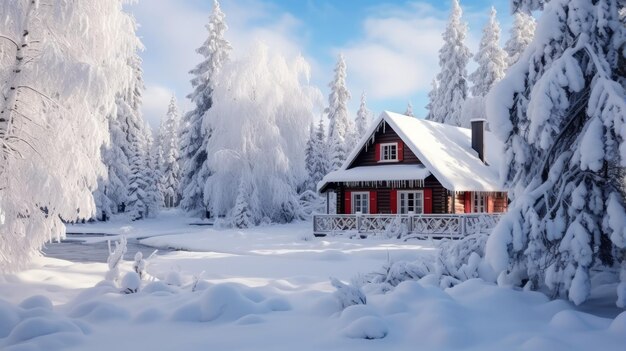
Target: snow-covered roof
(445, 150)
(376, 173)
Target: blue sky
(390, 46)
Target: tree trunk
(14, 81)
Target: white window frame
(366, 194)
(479, 203)
(382, 152)
(404, 192)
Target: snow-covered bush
(130, 283)
(348, 294)
(174, 278)
(116, 257)
(139, 266)
(456, 261)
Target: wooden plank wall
(368, 158)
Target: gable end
(384, 134)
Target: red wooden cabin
(409, 165)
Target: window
(479, 203)
(410, 201)
(361, 202)
(389, 152)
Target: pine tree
(151, 175)
(527, 6)
(170, 171)
(241, 213)
(59, 83)
(112, 192)
(363, 117)
(491, 59)
(340, 128)
(565, 151)
(143, 195)
(321, 165)
(447, 102)
(432, 97)
(409, 110)
(310, 153)
(195, 131)
(522, 34)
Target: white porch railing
(405, 226)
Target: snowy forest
(260, 136)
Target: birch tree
(59, 84)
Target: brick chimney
(478, 137)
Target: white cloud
(398, 54)
(156, 100)
(173, 29)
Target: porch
(405, 226)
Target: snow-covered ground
(268, 289)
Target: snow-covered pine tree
(59, 82)
(310, 154)
(267, 103)
(522, 33)
(409, 110)
(491, 59)
(561, 110)
(527, 6)
(193, 137)
(112, 192)
(432, 97)
(321, 162)
(447, 102)
(363, 117)
(170, 170)
(143, 194)
(241, 215)
(340, 127)
(151, 175)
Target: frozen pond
(75, 249)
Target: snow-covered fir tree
(527, 6)
(432, 97)
(340, 127)
(561, 110)
(409, 110)
(363, 117)
(193, 137)
(267, 101)
(111, 195)
(316, 155)
(241, 213)
(447, 102)
(143, 194)
(59, 83)
(168, 154)
(491, 59)
(151, 173)
(522, 33)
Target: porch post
(454, 203)
(327, 202)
